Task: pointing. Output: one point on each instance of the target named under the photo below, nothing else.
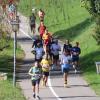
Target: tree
(93, 7)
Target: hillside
(67, 20)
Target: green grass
(67, 20)
(7, 91)
(59, 15)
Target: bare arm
(30, 72)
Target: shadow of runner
(22, 72)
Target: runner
(32, 22)
(36, 74)
(46, 41)
(55, 48)
(41, 15)
(75, 56)
(41, 29)
(39, 52)
(67, 46)
(65, 65)
(35, 44)
(36, 41)
(45, 63)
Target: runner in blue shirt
(67, 46)
(75, 51)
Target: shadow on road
(22, 71)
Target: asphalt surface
(78, 88)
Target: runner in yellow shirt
(45, 63)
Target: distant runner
(41, 14)
(32, 23)
(41, 29)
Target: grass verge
(7, 91)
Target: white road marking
(26, 34)
(52, 90)
(49, 80)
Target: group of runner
(46, 50)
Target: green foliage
(4, 39)
(59, 15)
(7, 92)
(93, 7)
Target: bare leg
(46, 79)
(37, 89)
(65, 79)
(33, 88)
(43, 80)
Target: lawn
(7, 91)
(66, 19)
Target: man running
(32, 20)
(46, 41)
(39, 52)
(41, 15)
(41, 29)
(65, 65)
(67, 46)
(55, 48)
(37, 40)
(75, 51)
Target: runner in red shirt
(41, 29)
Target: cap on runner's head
(33, 10)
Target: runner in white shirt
(55, 48)
(66, 64)
(39, 51)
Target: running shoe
(33, 95)
(37, 98)
(65, 84)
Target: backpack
(32, 20)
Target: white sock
(37, 94)
(33, 93)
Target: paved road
(78, 88)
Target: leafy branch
(93, 7)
